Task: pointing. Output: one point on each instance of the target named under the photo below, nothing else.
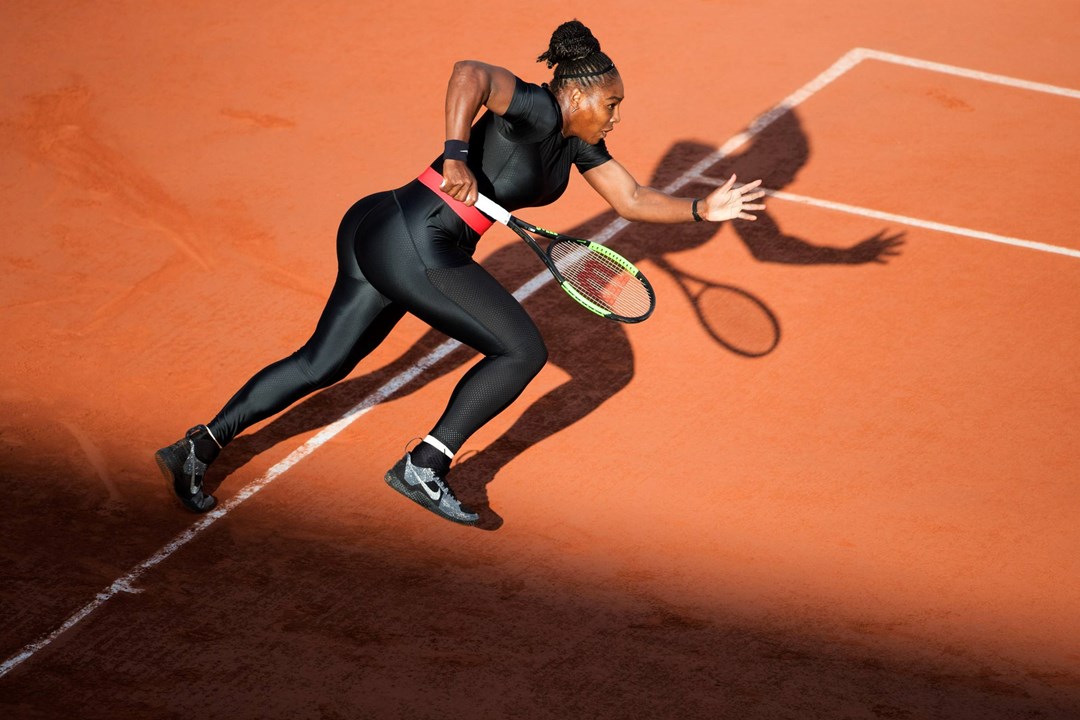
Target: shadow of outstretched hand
(878, 249)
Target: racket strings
(601, 279)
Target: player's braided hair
(575, 54)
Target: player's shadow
(595, 354)
(776, 155)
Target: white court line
(125, 583)
(858, 55)
(865, 54)
(904, 220)
(927, 224)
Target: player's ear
(576, 96)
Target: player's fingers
(747, 216)
(727, 185)
(459, 190)
(754, 207)
(469, 192)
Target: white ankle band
(437, 444)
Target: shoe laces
(194, 462)
(441, 483)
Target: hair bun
(570, 41)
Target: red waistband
(475, 219)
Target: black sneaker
(425, 488)
(184, 472)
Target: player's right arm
(472, 85)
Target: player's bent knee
(533, 357)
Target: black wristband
(456, 150)
(693, 209)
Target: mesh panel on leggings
(496, 380)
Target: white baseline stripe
(124, 584)
(904, 219)
(966, 73)
(927, 224)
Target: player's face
(597, 111)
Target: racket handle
(492, 209)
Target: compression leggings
(387, 266)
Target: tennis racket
(733, 317)
(600, 279)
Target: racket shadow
(596, 355)
(734, 318)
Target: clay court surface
(866, 510)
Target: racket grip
(492, 209)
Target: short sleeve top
(521, 158)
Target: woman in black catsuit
(410, 250)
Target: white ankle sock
(437, 444)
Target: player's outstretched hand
(728, 202)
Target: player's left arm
(640, 203)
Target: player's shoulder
(530, 95)
(533, 112)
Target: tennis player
(410, 250)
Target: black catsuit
(406, 250)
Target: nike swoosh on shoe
(411, 474)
